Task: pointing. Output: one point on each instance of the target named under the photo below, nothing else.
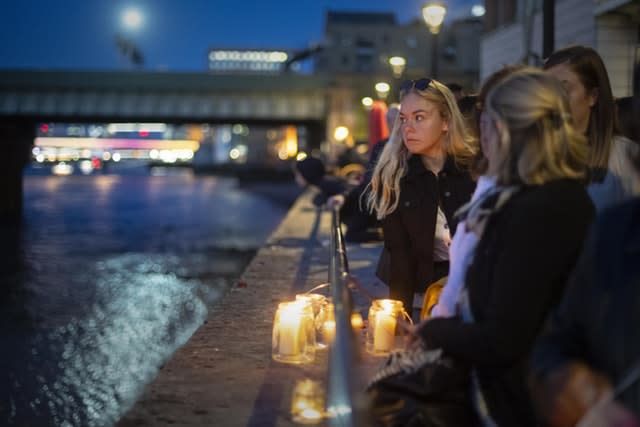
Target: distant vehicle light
(86, 167)
(62, 169)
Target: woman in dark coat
(420, 180)
(527, 246)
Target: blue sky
(176, 34)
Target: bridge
(31, 97)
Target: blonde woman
(420, 180)
(531, 230)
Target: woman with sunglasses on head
(531, 228)
(420, 180)
(581, 70)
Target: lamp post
(433, 13)
(398, 63)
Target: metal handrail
(342, 353)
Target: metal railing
(341, 398)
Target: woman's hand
(336, 201)
(412, 337)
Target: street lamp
(382, 89)
(433, 13)
(397, 65)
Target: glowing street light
(433, 13)
(397, 65)
(341, 133)
(132, 19)
(367, 102)
(382, 89)
(478, 10)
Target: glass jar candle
(383, 318)
(294, 335)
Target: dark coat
(406, 262)
(518, 273)
(599, 318)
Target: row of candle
(306, 324)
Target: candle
(356, 321)
(289, 329)
(385, 328)
(329, 331)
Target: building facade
(513, 34)
(357, 48)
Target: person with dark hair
(586, 367)
(362, 226)
(311, 171)
(586, 82)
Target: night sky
(175, 34)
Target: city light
(367, 102)
(433, 14)
(341, 133)
(382, 89)
(132, 19)
(478, 10)
(397, 65)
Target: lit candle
(329, 331)
(385, 329)
(289, 328)
(356, 321)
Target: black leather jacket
(406, 262)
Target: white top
(442, 238)
(460, 256)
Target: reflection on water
(107, 278)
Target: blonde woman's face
(580, 100)
(423, 129)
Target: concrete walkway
(224, 375)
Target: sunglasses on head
(420, 84)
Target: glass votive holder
(319, 305)
(382, 331)
(307, 402)
(294, 335)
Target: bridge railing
(342, 399)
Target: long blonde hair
(384, 189)
(536, 137)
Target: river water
(108, 276)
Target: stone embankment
(224, 375)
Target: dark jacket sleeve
(541, 240)
(564, 338)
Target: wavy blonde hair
(384, 189)
(537, 140)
